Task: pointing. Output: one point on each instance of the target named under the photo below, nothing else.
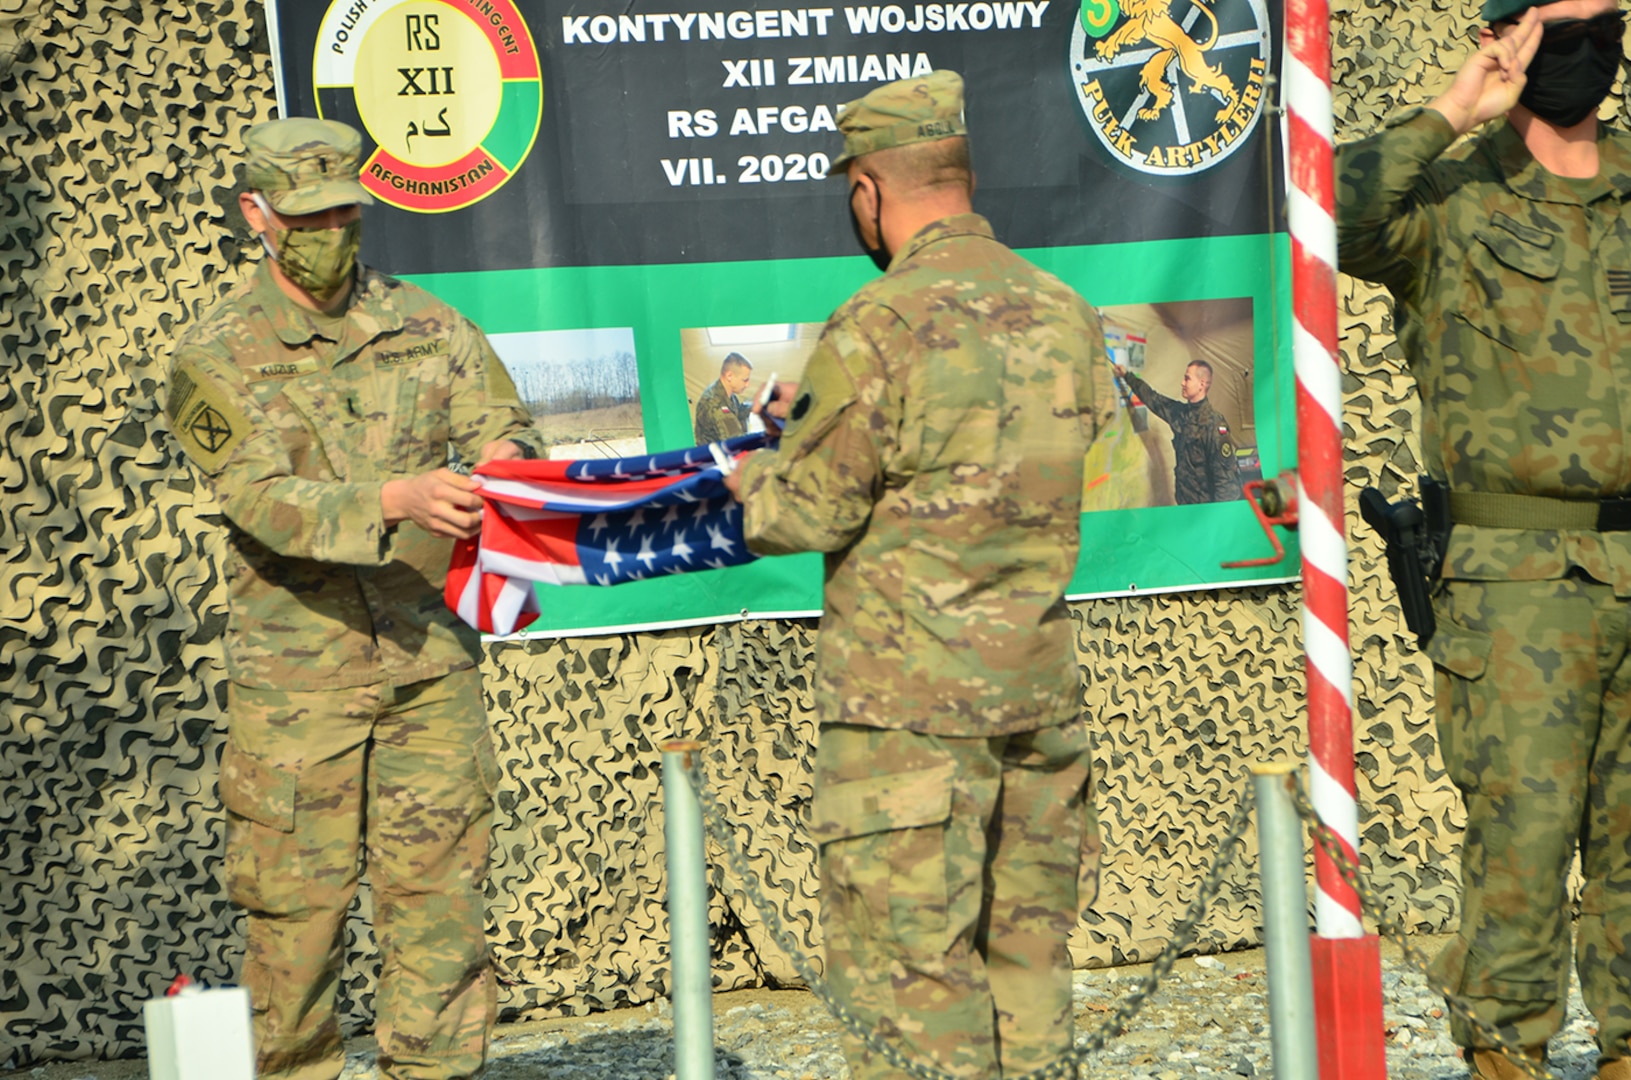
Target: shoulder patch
(801, 406)
(204, 418)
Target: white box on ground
(200, 1035)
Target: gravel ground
(1209, 1019)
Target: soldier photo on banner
(721, 411)
(1187, 426)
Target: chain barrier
(1067, 1067)
(1390, 927)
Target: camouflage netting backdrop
(118, 140)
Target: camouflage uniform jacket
(1204, 466)
(934, 452)
(720, 414)
(1512, 292)
(297, 421)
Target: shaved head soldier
(721, 412)
(1204, 465)
(320, 402)
(934, 452)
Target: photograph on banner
(582, 387)
(1186, 424)
(726, 365)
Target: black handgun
(1415, 553)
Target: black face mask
(1574, 68)
(880, 255)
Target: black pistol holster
(1416, 537)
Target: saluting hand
(441, 502)
(1489, 83)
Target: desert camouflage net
(118, 140)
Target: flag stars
(718, 541)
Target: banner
(632, 201)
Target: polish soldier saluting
(322, 401)
(1509, 261)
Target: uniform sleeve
(816, 492)
(702, 421)
(1095, 389)
(1385, 199)
(485, 405)
(1223, 465)
(244, 454)
(1159, 404)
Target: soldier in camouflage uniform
(321, 401)
(1204, 467)
(934, 452)
(721, 413)
(1509, 260)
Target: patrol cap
(922, 109)
(304, 165)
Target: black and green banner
(623, 196)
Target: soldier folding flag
(594, 522)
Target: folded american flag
(594, 522)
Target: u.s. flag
(597, 522)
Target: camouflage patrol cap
(303, 165)
(922, 109)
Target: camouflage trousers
(1534, 718)
(952, 872)
(314, 784)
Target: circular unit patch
(449, 90)
(1171, 87)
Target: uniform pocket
(1509, 271)
(487, 767)
(263, 866)
(253, 788)
(1460, 658)
(1458, 650)
(883, 803)
(883, 850)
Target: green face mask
(320, 261)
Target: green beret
(924, 109)
(303, 165)
(1496, 10)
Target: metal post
(691, 969)
(1285, 926)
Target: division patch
(450, 92)
(1171, 87)
(203, 419)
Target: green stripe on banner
(517, 123)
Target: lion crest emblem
(1171, 86)
(1151, 21)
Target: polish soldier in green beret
(934, 451)
(1509, 260)
(321, 402)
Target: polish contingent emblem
(450, 93)
(1171, 87)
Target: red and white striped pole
(1347, 962)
